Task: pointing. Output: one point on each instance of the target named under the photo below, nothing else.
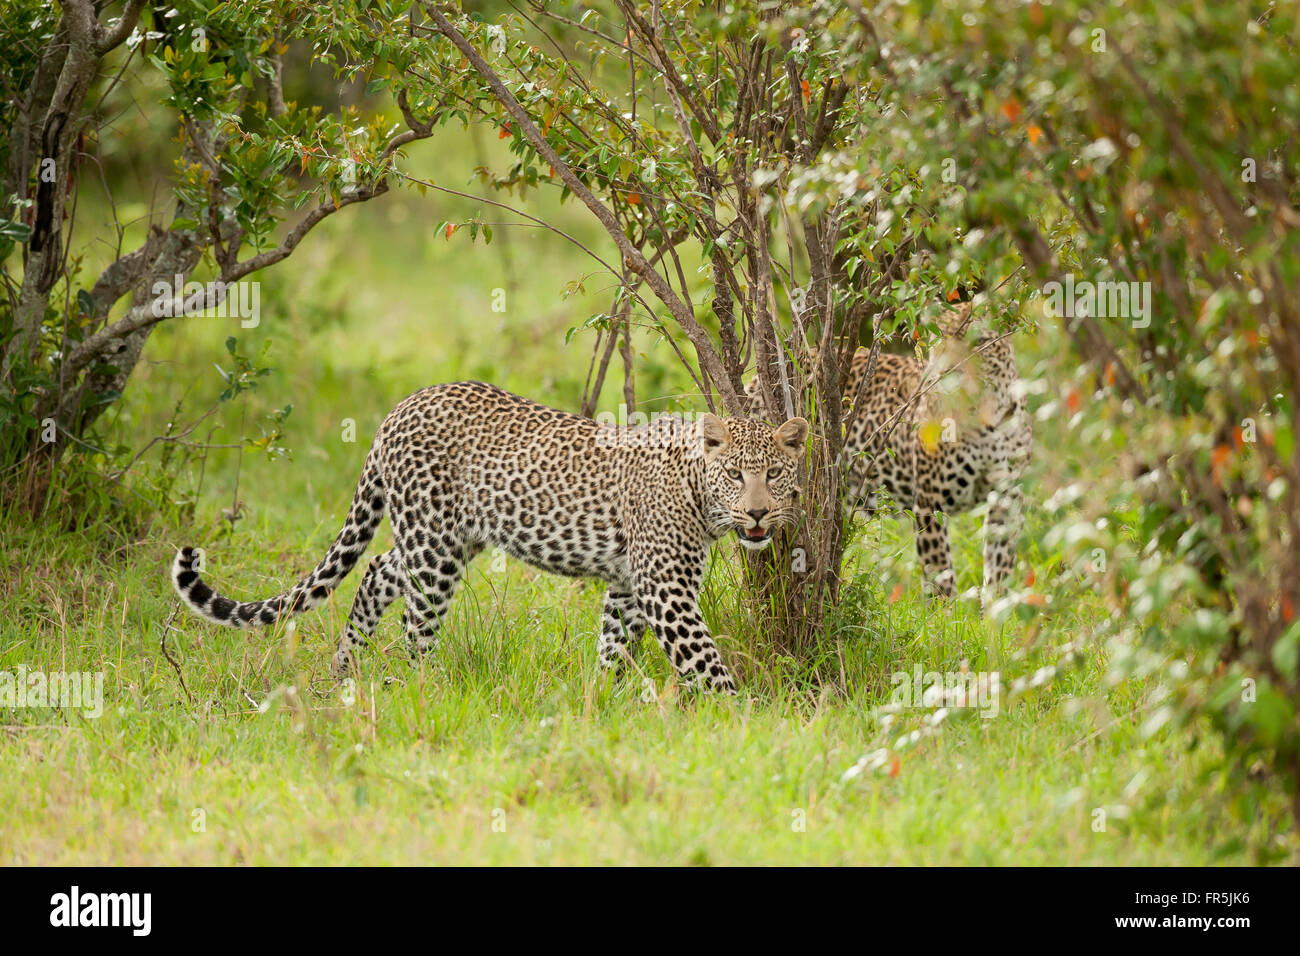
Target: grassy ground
(509, 747)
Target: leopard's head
(970, 385)
(752, 475)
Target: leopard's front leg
(621, 627)
(667, 593)
(932, 544)
(1001, 530)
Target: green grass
(512, 724)
(508, 746)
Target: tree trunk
(796, 580)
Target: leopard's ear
(791, 437)
(713, 434)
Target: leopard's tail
(358, 529)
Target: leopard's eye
(773, 473)
(733, 474)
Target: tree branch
(633, 259)
(106, 39)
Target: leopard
(463, 466)
(940, 435)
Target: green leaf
(1284, 440)
(1286, 651)
(18, 231)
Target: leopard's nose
(757, 514)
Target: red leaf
(1217, 459)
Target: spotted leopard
(463, 466)
(942, 436)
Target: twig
(170, 660)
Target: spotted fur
(942, 436)
(465, 466)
